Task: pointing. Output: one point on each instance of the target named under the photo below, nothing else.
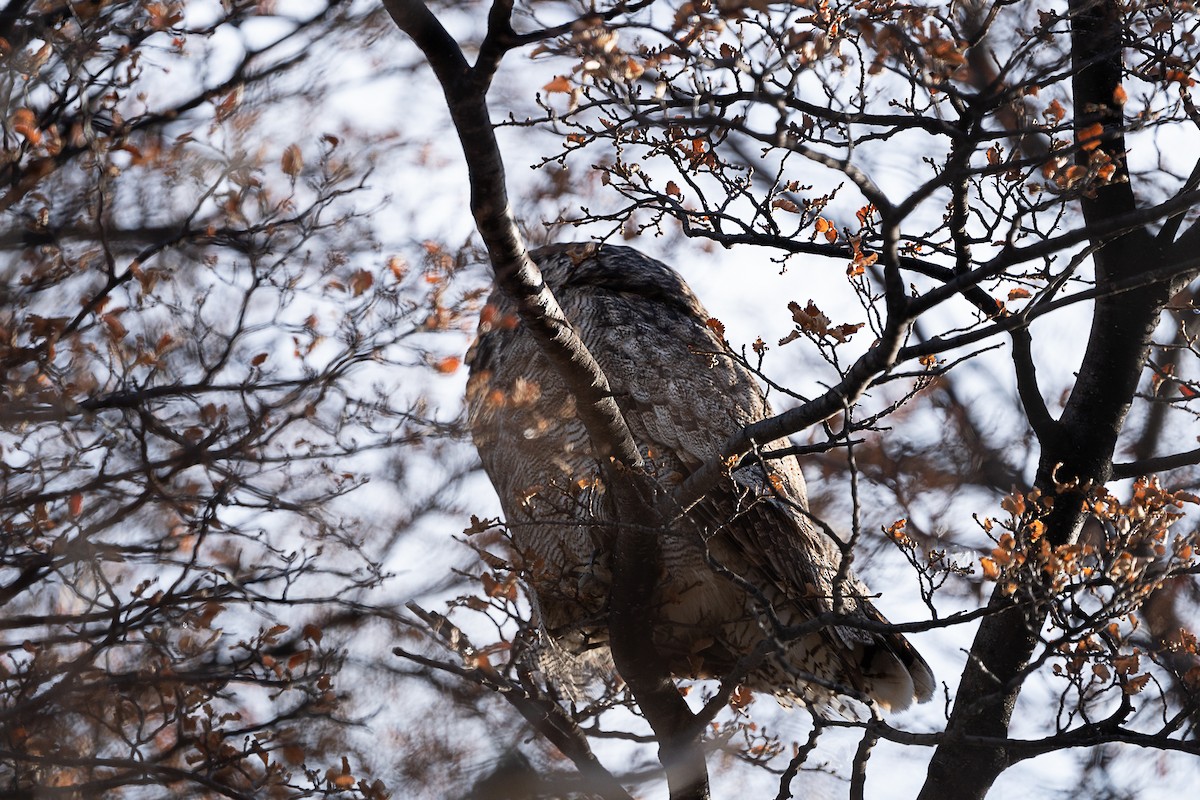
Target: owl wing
(683, 397)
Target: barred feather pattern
(742, 566)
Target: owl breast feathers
(745, 563)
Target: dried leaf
(1089, 137)
(397, 267)
(228, 103)
(740, 697)
(1136, 684)
(1014, 504)
(844, 331)
(361, 281)
(114, 325)
(1124, 665)
(25, 123)
(292, 160)
(273, 632)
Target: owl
(743, 564)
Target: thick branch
(635, 574)
(1149, 466)
(635, 567)
(540, 313)
(1044, 425)
(1079, 454)
(1097, 66)
(547, 718)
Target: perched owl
(744, 558)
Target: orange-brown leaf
(1126, 664)
(361, 281)
(23, 116)
(397, 267)
(114, 325)
(273, 632)
(1014, 504)
(559, 84)
(1089, 137)
(292, 160)
(25, 123)
(740, 697)
(1136, 684)
(844, 331)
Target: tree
(216, 329)
(780, 125)
(192, 309)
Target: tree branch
(1043, 423)
(546, 717)
(630, 491)
(1080, 456)
(515, 272)
(499, 40)
(1135, 469)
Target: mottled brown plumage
(745, 552)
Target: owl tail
(894, 674)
